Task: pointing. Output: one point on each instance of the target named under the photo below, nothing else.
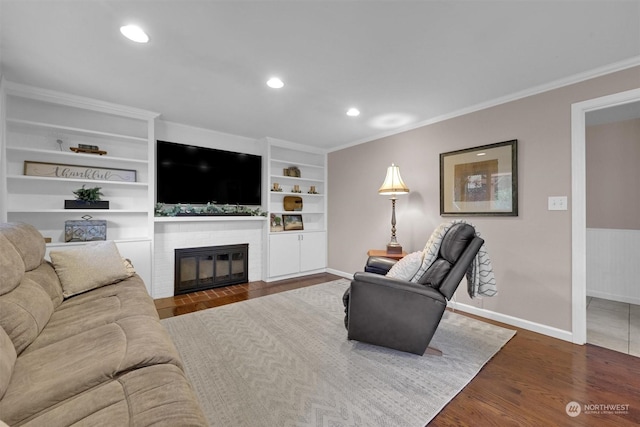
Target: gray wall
(531, 253)
(613, 175)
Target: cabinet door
(284, 254)
(313, 251)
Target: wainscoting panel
(613, 264)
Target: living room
(541, 285)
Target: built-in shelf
(84, 181)
(305, 212)
(41, 126)
(298, 164)
(70, 154)
(206, 218)
(295, 252)
(93, 211)
(67, 244)
(297, 178)
(74, 130)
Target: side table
(383, 253)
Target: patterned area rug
(284, 360)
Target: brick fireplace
(208, 267)
(185, 232)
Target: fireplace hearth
(201, 268)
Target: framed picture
(58, 170)
(292, 222)
(480, 181)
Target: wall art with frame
(292, 222)
(481, 181)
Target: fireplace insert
(201, 268)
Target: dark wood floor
(528, 383)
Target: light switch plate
(557, 203)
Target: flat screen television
(199, 175)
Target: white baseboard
(613, 297)
(514, 321)
(294, 275)
(340, 273)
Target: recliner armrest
(379, 265)
(399, 285)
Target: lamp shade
(393, 183)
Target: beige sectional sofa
(78, 349)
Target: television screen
(198, 175)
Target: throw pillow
(407, 267)
(88, 267)
(128, 266)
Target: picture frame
(78, 172)
(292, 222)
(480, 181)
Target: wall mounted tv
(198, 175)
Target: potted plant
(87, 198)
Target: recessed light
(481, 154)
(353, 112)
(275, 83)
(134, 33)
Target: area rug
(284, 360)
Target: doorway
(579, 227)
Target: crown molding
(535, 90)
(46, 95)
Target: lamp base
(394, 248)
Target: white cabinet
(313, 251)
(42, 126)
(295, 253)
(302, 249)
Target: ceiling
(401, 63)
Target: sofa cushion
(153, 396)
(88, 267)
(406, 268)
(27, 240)
(24, 312)
(83, 361)
(7, 361)
(101, 306)
(11, 266)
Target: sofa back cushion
(46, 277)
(11, 266)
(24, 312)
(7, 361)
(28, 242)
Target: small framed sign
(58, 170)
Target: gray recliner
(404, 315)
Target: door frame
(579, 205)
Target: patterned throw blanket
(480, 278)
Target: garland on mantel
(210, 209)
